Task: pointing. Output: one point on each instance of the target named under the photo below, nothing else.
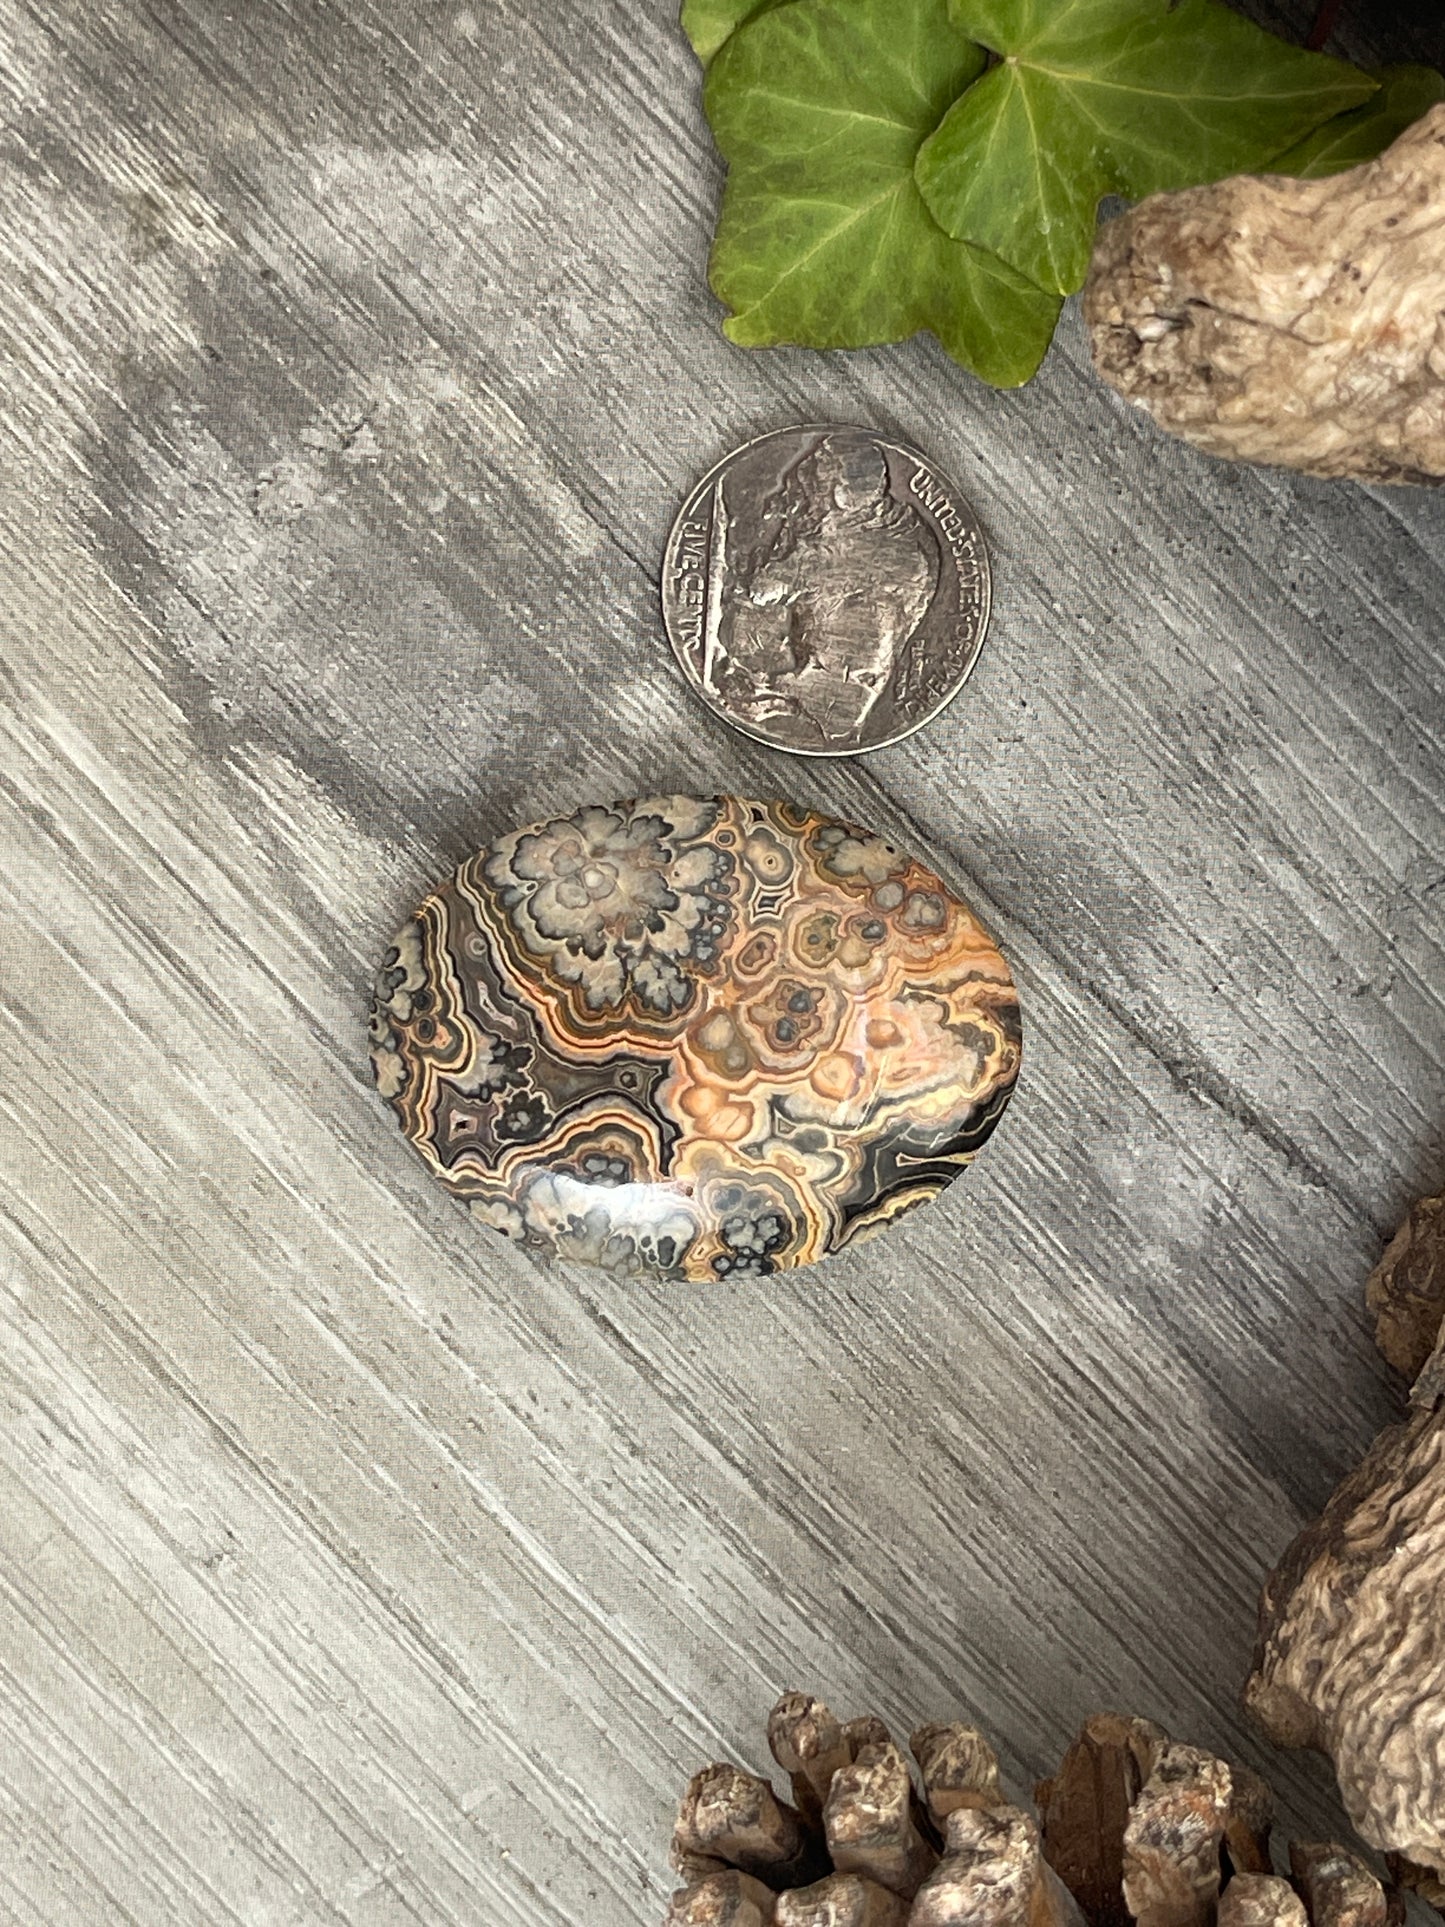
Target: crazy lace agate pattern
(695, 1036)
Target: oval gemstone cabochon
(702, 1036)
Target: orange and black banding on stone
(698, 1036)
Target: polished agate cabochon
(700, 1036)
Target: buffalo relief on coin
(826, 590)
(694, 1036)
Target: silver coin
(826, 590)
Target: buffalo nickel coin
(826, 590)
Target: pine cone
(1132, 1828)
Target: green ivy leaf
(1363, 134)
(708, 23)
(819, 107)
(1111, 96)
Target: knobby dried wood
(1406, 1290)
(1351, 1654)
(1288, 321)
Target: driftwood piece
(1085, 1809)
(809, 1744)
(1172, 1866)
(870, 1822)
(1261, 1900)
(1351, 1650)
(993, 1874)
(736, 1818)
(841, 1900)
(728, 1899)
(1249, 1822)
(958, 1768)
(1288, 321)
(1337, 1887)
(1406, 1290)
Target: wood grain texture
(354, 1568)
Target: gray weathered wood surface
(353, 1568)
